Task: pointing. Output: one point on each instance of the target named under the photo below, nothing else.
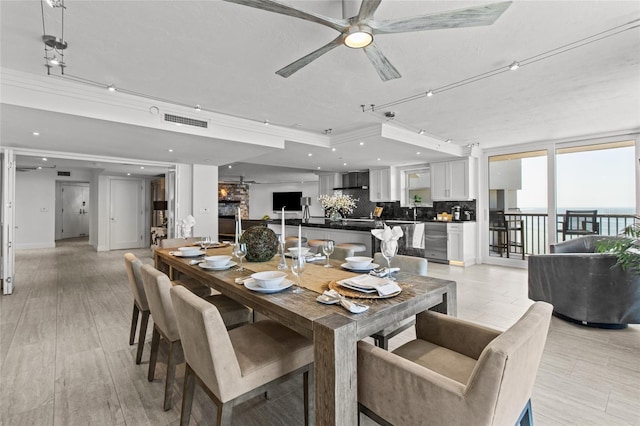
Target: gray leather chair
(584, 286)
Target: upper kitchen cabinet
(453, 180)
(328, 181)
(383, 185)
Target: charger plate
(333, 285)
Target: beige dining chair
(133, 266)
(193, 285)
(455, 372)
(411, 265)
(157, 287)
(233, 366)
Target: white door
(126, 214)
(75, 210)
(7, 220)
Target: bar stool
(356, 247)
(317, 243)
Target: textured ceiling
(223, 57)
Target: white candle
(299, 238)
(236, 232)
(282, 231)
(239, 222)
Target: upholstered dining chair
(239, 364)
(133, 266)
(157, 287)
(193, 285)
(455, 372)
(411, 265)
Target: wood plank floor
(65, 357)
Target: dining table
(333, 330)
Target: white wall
(205, 200)
(261, 199)
(36, 206)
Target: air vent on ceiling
(185, 120)
(64, 173)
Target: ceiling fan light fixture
(358, 36)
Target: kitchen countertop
(352, 224)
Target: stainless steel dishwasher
(435, 241)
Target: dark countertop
(364, 225)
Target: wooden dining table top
(334, 330)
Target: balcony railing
(536, 224)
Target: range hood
(355, 180)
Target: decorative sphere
(262, 243)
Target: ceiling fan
(358, 31)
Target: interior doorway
(72, 216)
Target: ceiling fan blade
(307, 59)
(469, 17)
(367, 9)
(386, 71)
(277, 7)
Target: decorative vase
(262, 243)
(335, 216)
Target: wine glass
(240, 251)
(298, 266)
(206, 243)
(388, 250)
(327, 249)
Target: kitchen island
(437, 241)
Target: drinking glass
(206, 243)
(298, 266)
(388, 250)
(240, 251)
(327, 249)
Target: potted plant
(626, 248)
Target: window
(417, 185)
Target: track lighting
(430, 93)
(111, 88)
(514, 65)
(421, 132)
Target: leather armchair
(584, 286)
(455, 372)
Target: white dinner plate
(253, 285)
(367, 269)
(205, 265)
(181, 254)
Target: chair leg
(171, 374)
(187, 396)
(225, 413)
(141, 337)
(134, 323)
(381, 342)
(155, 343)
(526, 417)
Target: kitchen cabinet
(461, 243)
(453, 180)
(383, 185)
(326, 183)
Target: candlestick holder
(283, 258)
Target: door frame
(7, 215)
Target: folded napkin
(387, 233)
(369, 283)
(353, 307)
(314, 258)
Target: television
(289, 200)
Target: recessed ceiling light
(198, 108)
(36, 134)
(128, 174)
(310, 154)
(418, 153)
(421, 132)
(430, 93)
(514, 65)
(361, 143)
(39, 167)
(344, 164)
(45, 159)
(378, 159)
(333, 149)
(230, 166)
(111, 88)
(170, 150)
(448, 141)
(266, 122)
(318, 167)
(141, 167)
